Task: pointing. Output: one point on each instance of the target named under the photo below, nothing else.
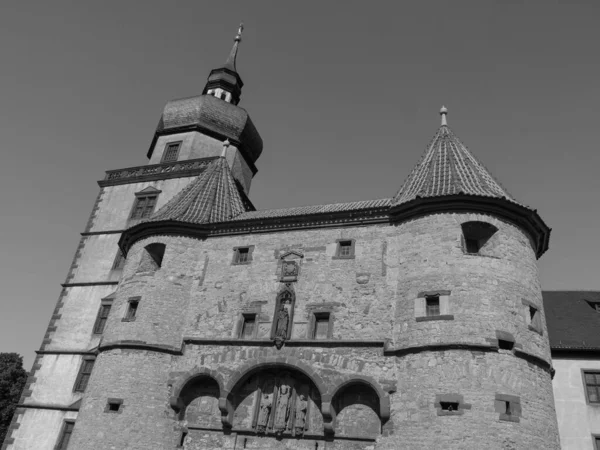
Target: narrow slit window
(432, 306)
(102, 318)
(132, 308)
(321, 326)
(592, 386)
(183, 436)
(85, 371)
(171, 151)
(248, 327)
(65, 435)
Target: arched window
(152, 257)
(476, 235)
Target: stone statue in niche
(301, 409)
(266, 403)
(282, 411)
(283, 319)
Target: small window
(476, 235)
(132, 307)
(597, 442)
(65, 435)
(321, 326)
(83, 377)
(449, 406)
(171, 151)
(592, 386)
(594, 305)
(248, 327)
(508, 407)
(119, 262)
(113, 405)
(182, 440)
(432, 306)
(144, 206)
(102, 318)
(505, 345)
(345, 249)
(242, 255)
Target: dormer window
(171, 151)
(476, 235)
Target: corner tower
(474, 368)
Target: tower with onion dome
(191, 320)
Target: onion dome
(449, 178)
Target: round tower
(473, 356)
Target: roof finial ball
(444, 113)
(238, 37)
(226, 145)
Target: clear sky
(345, 94)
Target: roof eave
(528, 220)
(162, 227)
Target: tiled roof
(572, 323)
(216, 115)
(448, 168)
(314, 209)
(212, 197)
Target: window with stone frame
(65, 435)
(508, 407)
(102, 317)
(132, 308)
(432, 305)
(171, 151)
(248, 326)
(592, 386)
(143, 206)
(85, 371)
(345, 249)
(242, 255)
(321, 325)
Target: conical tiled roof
(210, 198)
(448, 168)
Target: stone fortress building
(190, 320)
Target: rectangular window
(102, 318)
(85, 372)
(132, 308)
(248, 327)
(472, 245)
(144, 206)
(345, 249)
(119, 261)
(171, 151)
(321, 326)
(432, 306)
(243, 255)
(65, 435)
(592, 386)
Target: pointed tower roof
(448, 168)
(210, 198)
(448, 178)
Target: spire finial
(226, 145)
(444, 113)
(233, 54)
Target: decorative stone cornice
(152, 172)
(527, 219)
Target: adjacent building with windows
(191, 320)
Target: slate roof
(572, 323)
(448, 168)
(212, 197)
(213, 114)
